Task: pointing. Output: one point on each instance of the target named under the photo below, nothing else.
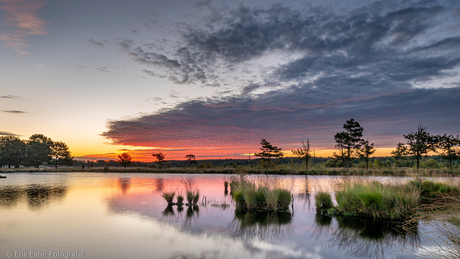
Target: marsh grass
(192, 193)
(442, 216)
(261, 195)
(169, 196)
(323, 202)
(358, 197)
(430, 189)
(180, 200)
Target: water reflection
(37, 196)
(261, 224)
(365, 238)
(124, 184)
(305, 194)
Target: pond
(109, 215)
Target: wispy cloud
(4, 133)
(96, 43)
(102, 69)
(7, 96)
(15, 111)
(22, 20)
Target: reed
(251, 196)
(323, 202)
(169, 196)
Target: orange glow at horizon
(142, 154)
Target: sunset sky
(214, 77)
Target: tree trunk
(418, 163)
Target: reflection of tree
(40, 195)
(267, 224)
(10, 196)
(124, 184)
(159, 183)
(365, 238)
(37, 196)
(305, 196)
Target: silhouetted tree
(419, 143)
(366, 150)
(348, 141)
(191, 159)
(159, 158)
(399, 153)
(12, 151)
(38, 150)
(268, 151)
(61, 154)
(447, 146)
(304, 153)
(124, 159)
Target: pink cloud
(20, 16)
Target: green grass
(323, 201)
(431, 189)
(386, 201)
(250, 196)
(371, 199)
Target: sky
(213, 78)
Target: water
(90, 215)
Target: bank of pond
(357, 198)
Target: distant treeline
(431, 162)
(37, 150)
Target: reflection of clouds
(213, 232)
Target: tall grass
(169, 196)
(356, 197)
(262, 196)
(323, 202)
(430, 189)
(443, 218)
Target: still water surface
(108, 215)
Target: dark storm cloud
(365, 64)
(245, 121)
(15, 111)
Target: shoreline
(402, 172)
